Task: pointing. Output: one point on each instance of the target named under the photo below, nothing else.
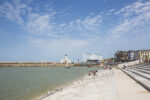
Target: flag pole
(78, 65)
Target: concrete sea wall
(128, 63)
(32, 64)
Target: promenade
(128, 89)
(107, 85)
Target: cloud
(21, 13)
(134, 21)
(71, 43)
(43, 22)
(130, 29)
(58, 48)
(89, 23)
(81, 27)
(76, 28)
(39, 23)
(131, 25)
(137, 8)
(13, 11)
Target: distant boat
(66, 65)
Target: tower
(66, 57)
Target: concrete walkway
(101, 87)
(128, 89)
(108, 85)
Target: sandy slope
(100, 87)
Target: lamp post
(78, 65)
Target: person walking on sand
(94, 73)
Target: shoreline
(107, 85)
(79, 83)
(59, 87)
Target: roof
(92, 54)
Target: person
(89, 74)
(124, 66)
(105, 67)
(110, 68)
(94, 72)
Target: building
(121, 56)
(132, 55)
(91, 58)
(66, 60)
(144, 55)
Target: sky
(46, 30)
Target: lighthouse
(66, 58)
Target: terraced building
(132, 55)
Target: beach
(107, 85)
(99, 87)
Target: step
(142, 81)
(144, 66)
(142, 70)
(140, 67)
(144, 75)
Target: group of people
(108, 67)
(93, 73)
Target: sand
(107, 85)
(100, 87)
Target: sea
(28, 83)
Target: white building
(66, 60)
(91, 57)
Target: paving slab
(128, 89)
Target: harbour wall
(32, 64)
